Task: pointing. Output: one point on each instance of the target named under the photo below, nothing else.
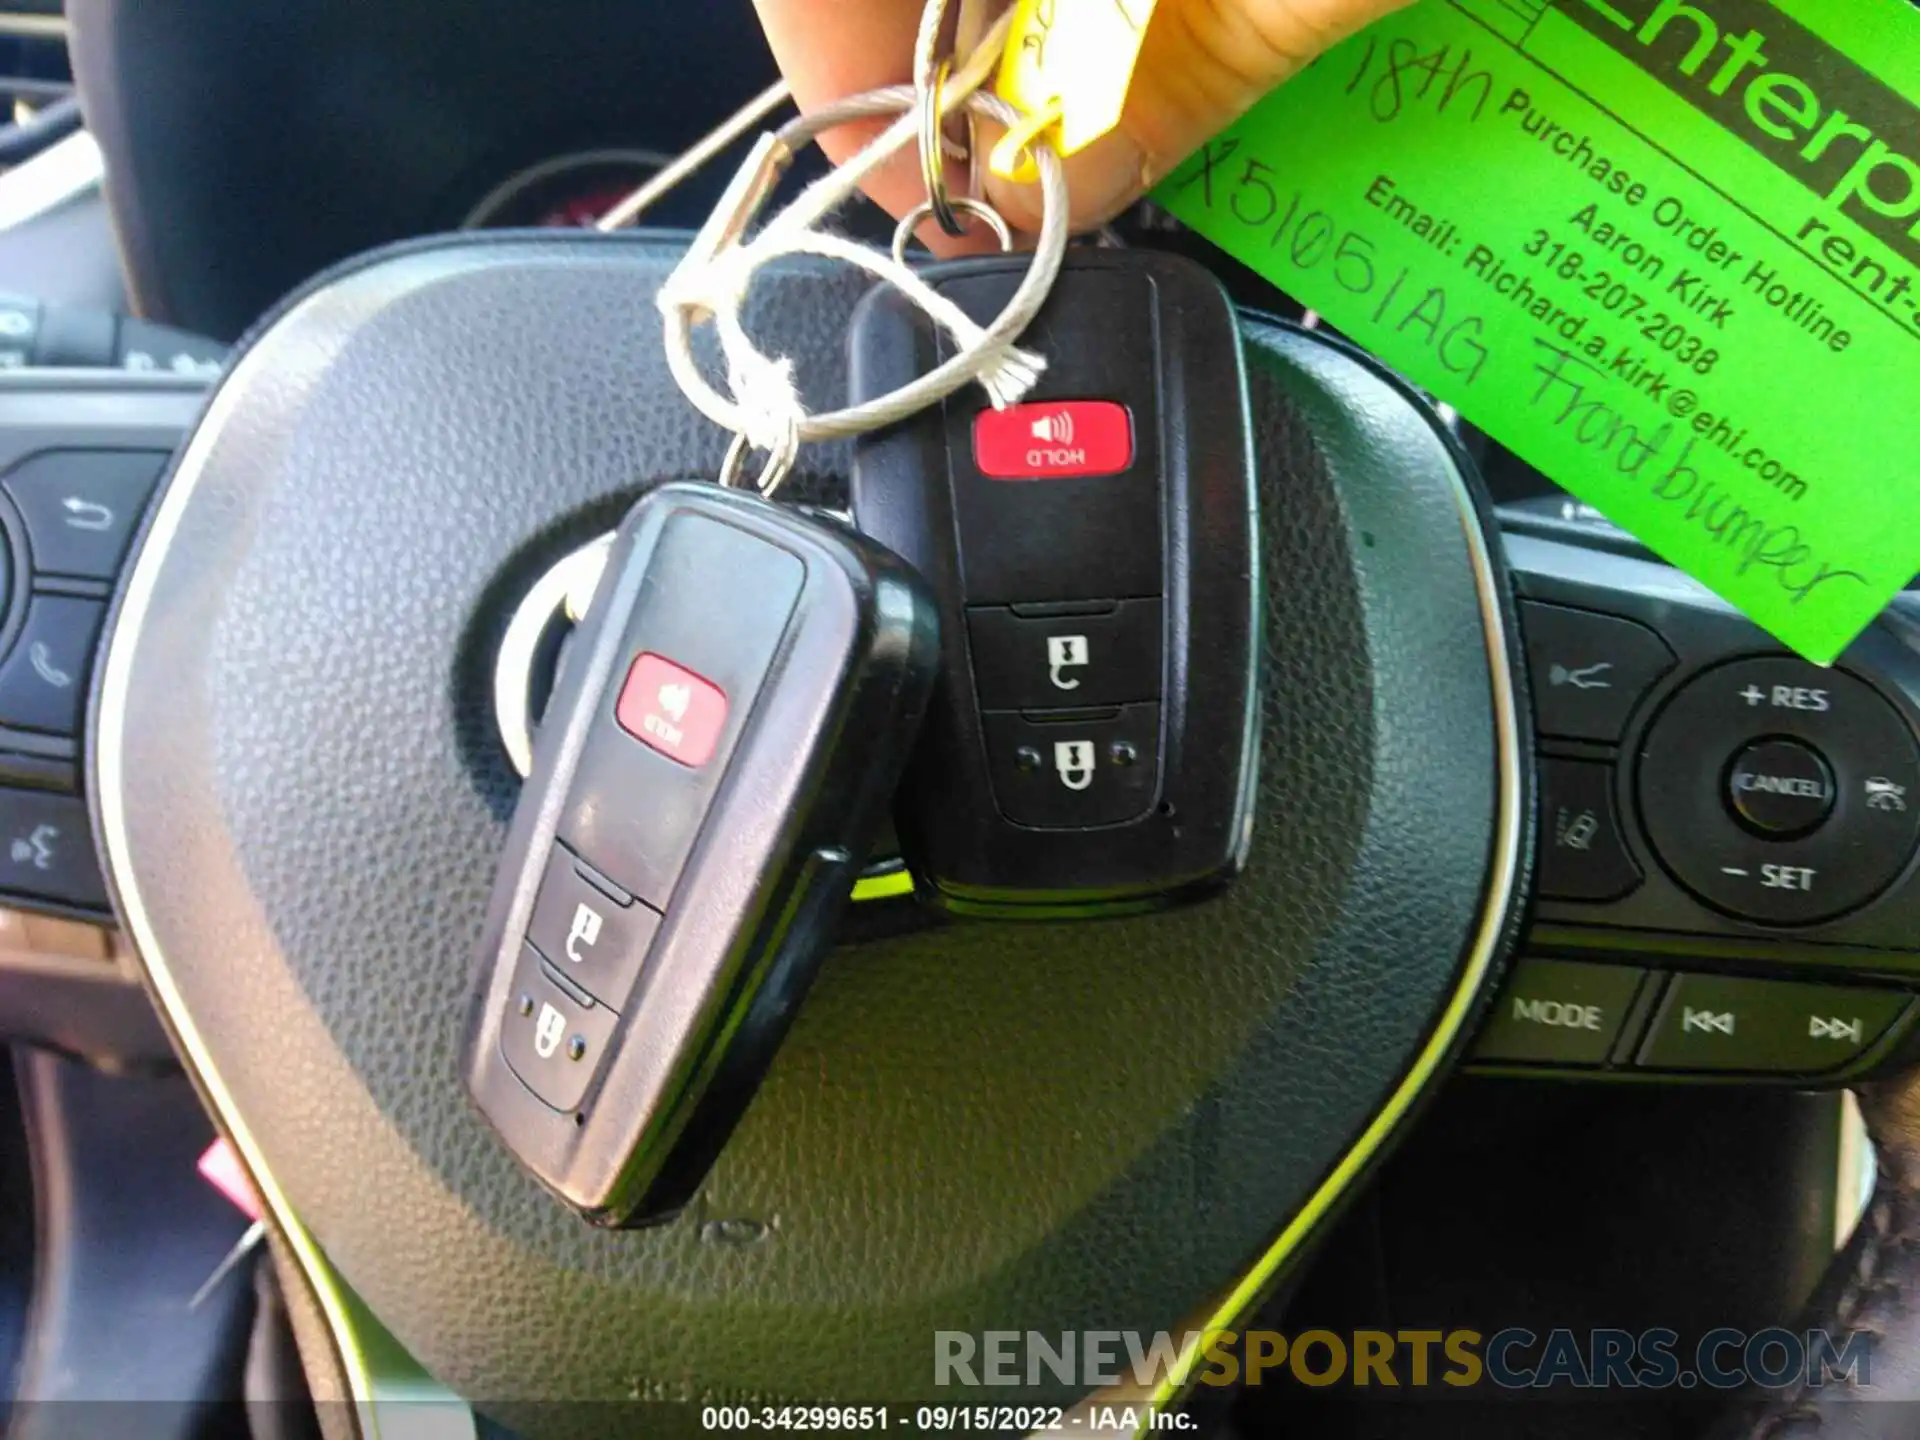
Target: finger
(829, 49)
(1202, 65)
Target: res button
(1053, 439)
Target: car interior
(1470, 984)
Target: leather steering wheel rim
(1131, 1123)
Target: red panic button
(1053, 440)
(671, 709)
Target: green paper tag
(1666, 252)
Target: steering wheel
(1128, 1124)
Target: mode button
(1559, 1012)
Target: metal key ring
(933, 159)
(733, 469)
(963, 204)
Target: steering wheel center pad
(972, 1125)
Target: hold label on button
(1054, 439)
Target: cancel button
(1559, 1012)
(1780, 789)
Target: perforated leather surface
(974, 1126)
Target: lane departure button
(1582, 854)
(1718, 1022)
(1588, 670)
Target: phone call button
(43, 681)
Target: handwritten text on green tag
(1667, 252)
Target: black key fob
(730, 722)
(1092, 746)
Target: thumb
(1202, 65)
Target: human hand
(1203, 63)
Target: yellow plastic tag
(1067, 67)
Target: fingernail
(1102, 180)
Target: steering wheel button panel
(552, 1038)
(1780, 788)
(1069, 771)
(1582, 853)
(1716, 1022)
(1589, 670)
(1044, 657)
(43, 682)
(1559, 1012)
(1704, 740)
(82, 506)
(589, 932)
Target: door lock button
(1068, 772)
(1780, 788)
(550, 1039)
(1043, 657)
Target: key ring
(779, 461)
(933, 157)
(958, 205)
(711, 283)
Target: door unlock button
(589, 930)
(1048, 656)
